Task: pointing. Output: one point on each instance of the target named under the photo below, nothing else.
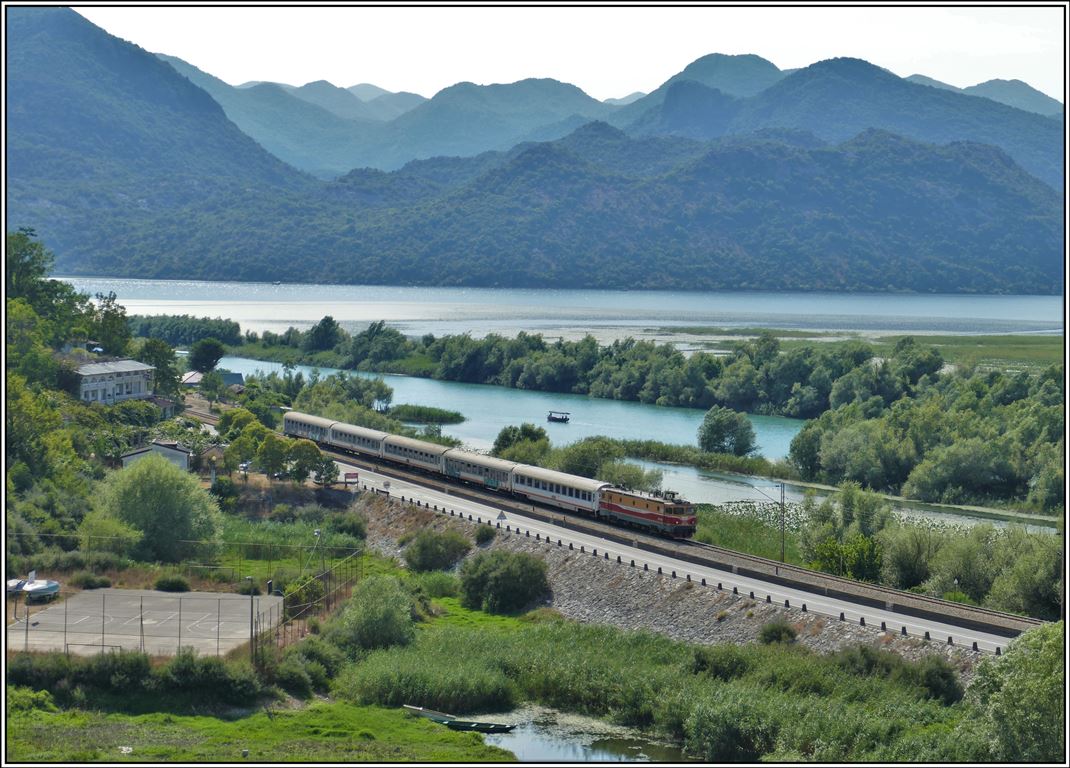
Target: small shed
(176, 454)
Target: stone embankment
(593, 590)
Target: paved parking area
(157, 623)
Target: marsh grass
(336, 732)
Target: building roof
(192, 378)
(115, 366)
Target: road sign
(354, 476)
(501, 515)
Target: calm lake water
(571, 314)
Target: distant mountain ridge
(1013, 93)
(839, 98)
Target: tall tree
(206, 354)
(166, 504)
(725, 431)
(160, 355)
(109, 325)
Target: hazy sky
(605, 51)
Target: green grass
(1000, 352)
(335, 732)
(455, 615)
(746, 534)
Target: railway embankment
(590, 589)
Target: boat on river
(455, 724)
(560, 416)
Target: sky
(608, 52)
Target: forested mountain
(1013, 93)
(839, 98)
(743, 75)
(624, 101)
(466, 119)
(337, 101)
(878, 212)
(103, 136)
(305, 135)
(387, 106)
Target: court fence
(161, 624)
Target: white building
(114, 382)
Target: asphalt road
(939, 632)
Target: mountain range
(131, 165)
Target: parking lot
(143, 620)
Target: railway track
(698, 553)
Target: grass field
(321, 732)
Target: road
(796, 598)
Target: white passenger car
(415, 453)
(476, 468)
(314, 428)
(557, 488)
(358, 439)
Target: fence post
(103, 613)
(65, 623)
(218, 621)
(180, 625)
(141, 622)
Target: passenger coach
(487, 471)
(414, 453)
(358, 439)
(304, 425)
(557, 488)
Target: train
(663, 514)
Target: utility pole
(252, 645)
(782, 522)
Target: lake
(571, 314)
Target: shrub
(777, 631)
(724, 662)
(485, 534)
(210, 677)
(314, 626)
(501, 582)
(440, 584)
(87, 580)
(317, 650)
(122, 671)
(27, 700)
(172, 583)
(433, 551)
(226, 492)
(302, 598)
(379, 614)
(350, 522)
(934, 676)
(39, 671)
(732, 729)
(866, 660)
(293, 678)
(248, 587)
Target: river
(488, 408)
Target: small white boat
(35, 590)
